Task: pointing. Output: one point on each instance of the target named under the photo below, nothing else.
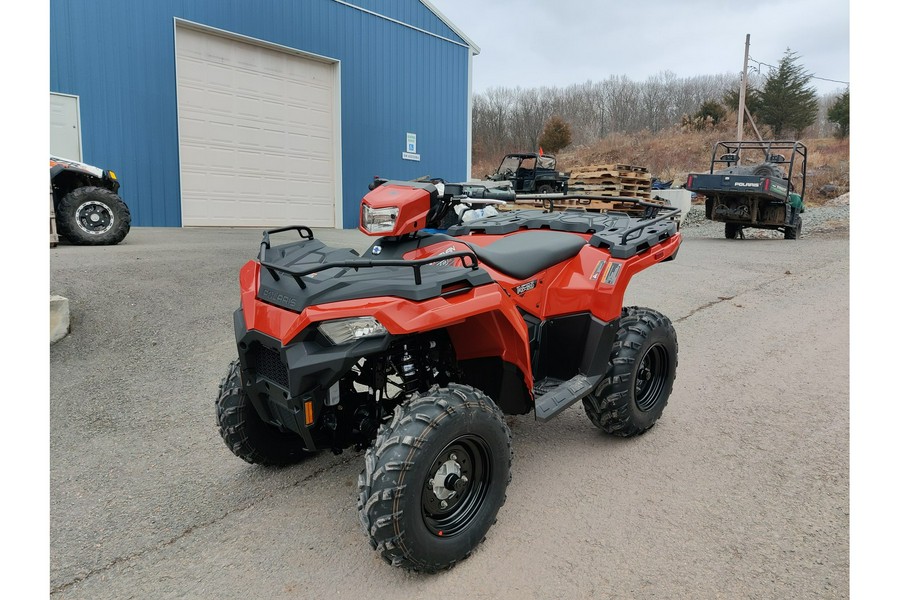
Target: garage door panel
(256, 134)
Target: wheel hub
(448, 480)
(456, 486)
(94, 218)
(650, 377)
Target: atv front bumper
(289, 385)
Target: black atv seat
(524, 254)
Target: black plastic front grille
(270, 366)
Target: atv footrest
(562, 395)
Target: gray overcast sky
(531, 43)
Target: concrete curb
(59, 318)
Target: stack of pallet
(626, 181)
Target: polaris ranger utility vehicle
(88, 208)
(532, 173)
(757, 188)
(416, 349)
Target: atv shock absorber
(409, 371)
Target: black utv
(88, 208)
(532, 173)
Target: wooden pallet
(589, 204)
(613, 167)
(607, 174)
(54, 237)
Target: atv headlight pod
(341, 331)
(379, 220)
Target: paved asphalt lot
(740, 491)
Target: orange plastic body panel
(482, 322)
(579, 284)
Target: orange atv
(416, 349)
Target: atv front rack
(306, 234)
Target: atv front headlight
(379, 220)
(341, 331)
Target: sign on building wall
(410, 152)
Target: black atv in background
(532, 173)
(88, 208)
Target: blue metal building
(265, 112)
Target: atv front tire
(246, 434)
(93, 216)
(640, 379)
(435, 479)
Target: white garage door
(256, 134)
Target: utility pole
(743, 94)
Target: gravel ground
(832, 217)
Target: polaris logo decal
(746, 184)
(525, 287)
(276, 298)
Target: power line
(759, 62)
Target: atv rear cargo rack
(624, 235)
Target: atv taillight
(689, 181)
(766, 185)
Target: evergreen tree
(711, 110)
(732, 98)
(788, 104)
(556, 136)
(839, 113)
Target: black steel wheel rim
(651, 377)
(473, 457)
(94, 217)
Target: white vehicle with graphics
(88, 208)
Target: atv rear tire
(93, 216)
(545, 189)
(643, 363)
(246, 434)
(731, 230)
(435, 479)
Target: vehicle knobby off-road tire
(643, 364)
(793, 233)
(435, 479)
(93, 216)
(246, 434)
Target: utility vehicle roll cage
(731, 155)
